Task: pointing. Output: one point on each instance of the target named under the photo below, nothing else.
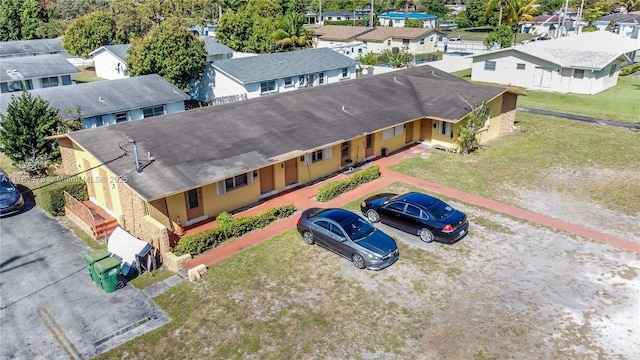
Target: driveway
(49, 306)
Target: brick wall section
(68, 158)
(139, 224)
(78, 221)
(508, 117)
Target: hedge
(630, 69)
(229, 228)
(335, 188)
(51, 197)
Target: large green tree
(412, 23)
(251, 28)
(501, 35)
(32, 19)
(169, 50)
(512, 12)
(28, 120)
(88, 33)
(10, 20)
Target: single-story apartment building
(35, 72)
(397, 19)
(193, 165)
(587, 63)
(394, 39)
(109, 102)
(109, 61)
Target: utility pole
(320, 19)
(564, 17)
(371, 15)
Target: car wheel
(373, 216)
(426, 235)
(308, 237)
(358, 261)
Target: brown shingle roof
(384, 33)
(340, 33)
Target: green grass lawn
(87, 74)
(531, 158)
(619, 103)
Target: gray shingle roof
(205, 145)
(213, 47)
(106, 97)
(589, 51)
(32, 67)
(36, 46)
(254, 69)
(119, 51)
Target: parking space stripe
(59, 335)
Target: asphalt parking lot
(49, 306)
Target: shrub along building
(196, 164)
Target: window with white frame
(153, 111)
(302, 81)
(49, 81)
(490, 65)
(520, 66)
(66, 80)
(318, 155)
(421, 41)
(345, 73)
(267, 86)
(612, 70)
(321, 78)
(578, 73)
(443, 128)
(405, 42)
(288, 81)
(234, 182)
(392, 132)
(389, 42)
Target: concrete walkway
(303, 198)
(588, 119)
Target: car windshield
(357, 228)
(6, 186)
(440, 210)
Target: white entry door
(542, 77)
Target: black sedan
(348, 235)
(426, 216)
(11, 200)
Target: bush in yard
(335, 188)
(630, 69)
(51, 197)
(229, 228)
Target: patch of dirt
(552, 201)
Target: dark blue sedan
(425, 216)
(11, 200)
(348, 235)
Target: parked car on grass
(11, 200)
(348, 235)
(425, 216)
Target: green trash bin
(108, 270)
(91, 258)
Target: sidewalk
(303, 198)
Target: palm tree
(292, 32)
(518, 11)
(226, 5)
(491, 5)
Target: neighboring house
(103, 103)
(320, 17)
(587, 63)
(417, 40)
(397, 19)
(215, 50)
(542, 25)
(37, 47)
(109, 61)
(341, 39)
(221, 158)
(256, 76)
(627, 25)
(35, 72)
(32, 48)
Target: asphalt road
(49, 306)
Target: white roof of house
(590, 50)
